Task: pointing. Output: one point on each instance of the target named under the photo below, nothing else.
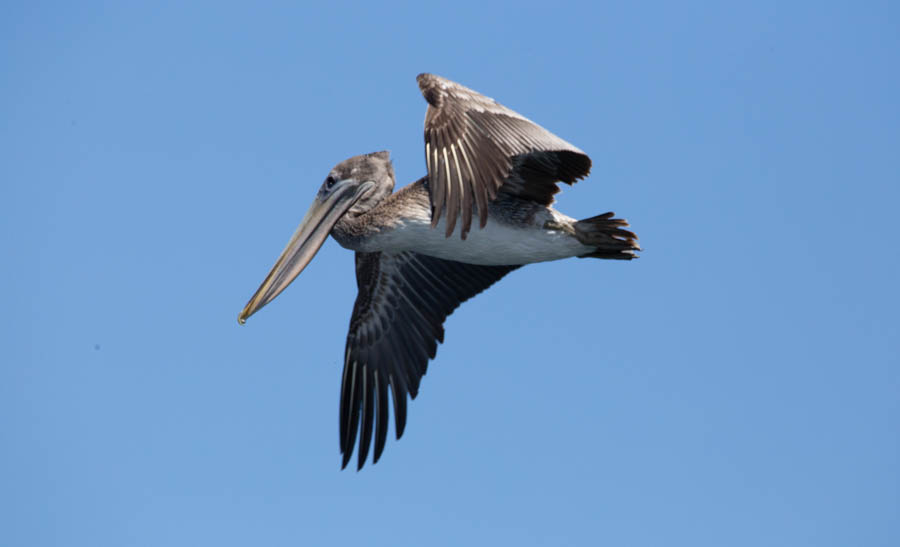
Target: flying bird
(482, 210)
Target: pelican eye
(329, 182)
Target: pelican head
(353, 187)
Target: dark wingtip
(399, 400)
(574, 166)
(382, 417)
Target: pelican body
(418, 254)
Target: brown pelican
(417, 254)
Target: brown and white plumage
(462, 125)
(483, 160)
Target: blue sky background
(737, 385)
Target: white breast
(497, 243)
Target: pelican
(418, 255)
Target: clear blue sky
(738, 385)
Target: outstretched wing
(396, 324)
(475, 147)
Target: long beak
(303, 246)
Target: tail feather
(609, 236)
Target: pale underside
(546, 236)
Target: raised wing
(475, 147)
(396, 324)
